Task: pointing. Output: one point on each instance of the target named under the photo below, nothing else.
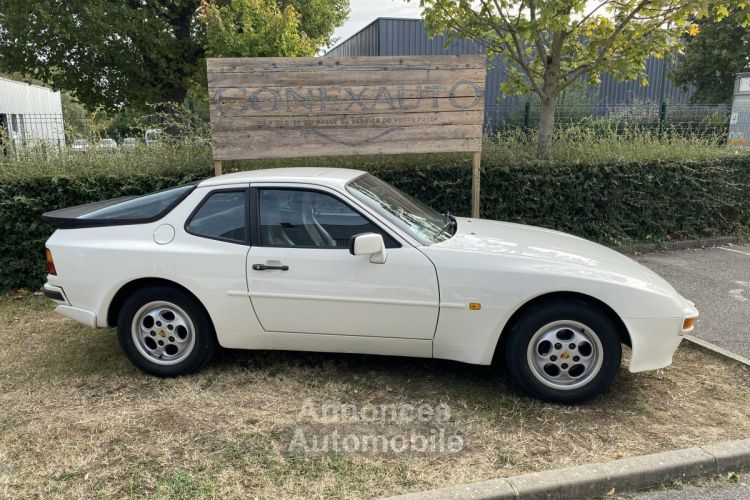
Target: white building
(30, 114)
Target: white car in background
(106, 143)
(80, 146)
(152, 136)
(337, 260)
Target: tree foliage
(712, 60)
(318, 18)
(550, 45)
(255, 28)
(261, 28)
(106, 53)
(132, 53)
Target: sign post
(475, 183)
(298, 107)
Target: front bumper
(654, 341)
(64, 308)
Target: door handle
(263, 267)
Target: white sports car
(337, 260)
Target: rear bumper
(55, 293)
(64, 308)
(88, 318)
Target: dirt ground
(77, 420)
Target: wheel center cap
(565, 355)
(162, 333)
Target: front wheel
(564, 351)
(165, 332)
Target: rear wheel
(564, 351)
(165, 332)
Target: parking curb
(716, 350)
(593, 480)
(677, 245)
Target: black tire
(598, 324)
(195, 356)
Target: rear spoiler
(68, 218)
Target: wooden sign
(283, 107)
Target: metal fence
(55, 132)
(19, 130)
(696, 120)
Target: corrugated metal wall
(19, 97)
(618, 92)
(365, 42)
(394, 37)
(407, 37)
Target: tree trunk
(546, 127)
(549, 94)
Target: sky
(363, 12)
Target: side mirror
(371, 244)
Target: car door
(302, 278)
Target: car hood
(478, 235)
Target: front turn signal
(688, 324)
(50, 263)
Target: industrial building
(403, 37)
(30, 115)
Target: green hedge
(612, 204)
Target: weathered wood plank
(229, 110)
(375, 120)
(370, 78)
(345, 137)
(239, 152)
(302, 95)
(345, 64)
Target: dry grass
(76, 420)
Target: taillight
(50, 263)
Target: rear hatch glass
(118, 211)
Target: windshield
(419, 220)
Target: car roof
(324, 176)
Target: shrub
(614, 204)
(48, 161)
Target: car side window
(221, 215)
(301, 218)
(140, 207)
